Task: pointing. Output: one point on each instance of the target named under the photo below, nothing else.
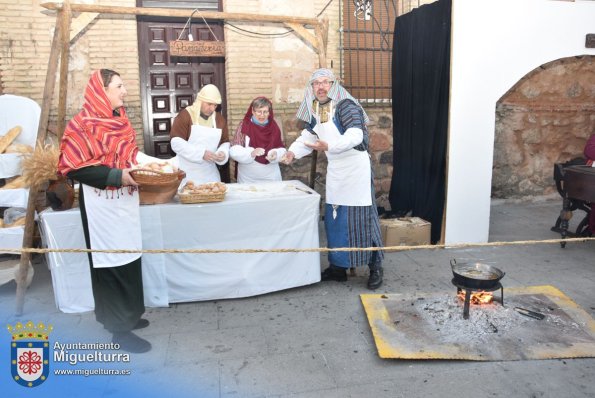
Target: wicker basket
(152, 177)
(156, 187)
(189, 198)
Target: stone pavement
(315, 340)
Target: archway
(545, 118)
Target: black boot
(375, 279)
(334, 273)
(130, 342)
(141, 324)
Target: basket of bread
(158, 182)
(203, 193)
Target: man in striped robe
(336, 124)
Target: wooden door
(169, 84)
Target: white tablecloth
(255, 216)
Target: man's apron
(348, 174)
(208, 138)
(113, 217)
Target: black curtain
(420, 85)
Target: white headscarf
(209, 93)
(336, 93)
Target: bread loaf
(19, 148)
(18, 182)
(6, 140)
(17, 223)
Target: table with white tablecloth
(277, 215)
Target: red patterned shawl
(96, 137)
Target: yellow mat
(431, 326)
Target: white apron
(254, 172)
(348, 174)
(114, 223)
(207, 137)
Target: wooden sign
(185, 48)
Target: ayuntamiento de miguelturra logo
(30, 353)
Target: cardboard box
(406, 231)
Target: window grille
(367, 46)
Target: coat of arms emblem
(29, 353)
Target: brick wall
(274, 66)
(26, 32)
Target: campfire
(474, 282)
(477, 298)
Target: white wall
(494, 44)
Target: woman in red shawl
(257, 145)
(98, 149)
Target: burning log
(477, 298)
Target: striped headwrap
(95, 136)
(336, 93)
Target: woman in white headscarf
(200, 138)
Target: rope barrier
(306, 250)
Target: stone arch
(544, 118)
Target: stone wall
(544, 119)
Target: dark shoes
(130, 342)
(334, 273)
(141, 324)
(375, 279)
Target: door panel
(169, 84)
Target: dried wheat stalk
(41, 165)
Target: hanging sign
(186, 48)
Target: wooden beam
(182, 13)
(64, 55)
(304, 34)
(48, 90)
(322, 37)
(81, 22)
